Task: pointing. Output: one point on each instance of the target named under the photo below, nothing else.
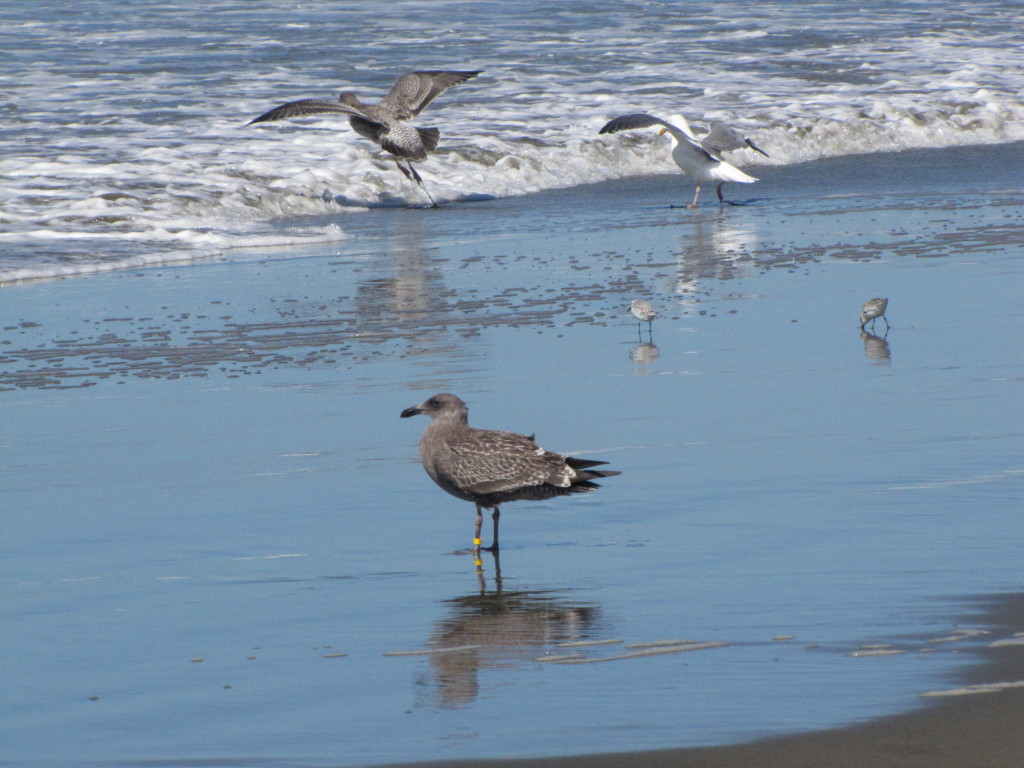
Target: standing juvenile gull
(384, 123)
(702, 161)
(872, 310)
(643, 312)
(490, 467)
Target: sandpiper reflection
(642, 355)
(499, 629)
(876, 348)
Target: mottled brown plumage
(492, 467)
(383, 123)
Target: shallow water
(216, 529)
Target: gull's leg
(695, 196)
(411, 174)
(402, 169)
(494, 517)
(476, 531)
(433, 202)
(718, 189)
(418, 180)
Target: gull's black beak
(411, 412)
(756, 148)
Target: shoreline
(233, 426)
(953, 731)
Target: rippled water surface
(219, 545)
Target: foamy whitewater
(123, 140)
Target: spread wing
(304, 107)
(413, 91)
(640, 120)
(721, 138)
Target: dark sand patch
(982, 729)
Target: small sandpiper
(872, 310)
(642, 311)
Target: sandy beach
(980, 729)
(220, 547)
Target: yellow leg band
(477, 542)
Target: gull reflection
(494, 628)
(876, 348)
(409, 293)
(716, 249)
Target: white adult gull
(384, 123)
(701, 159)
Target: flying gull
(384, 123)
(491, 467)
(701, 159)
(872, 310)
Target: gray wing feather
(491, 461)
(641, 120)
(304, 107)
(721, 138)
(413, 91)
(633, 122)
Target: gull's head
(443, 406)
(680, 122)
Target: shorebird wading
(490, 467)
(872, 310)
(700, 159)
(643, 312)
(384, 123)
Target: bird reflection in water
(643, 354)
(498, 629)
(876, 348)
(713, 249)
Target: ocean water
(124, 141)
(219, 547)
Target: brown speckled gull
(383, 123)
(491, 467)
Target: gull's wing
(305, 107)
(413, 91)
(490, 461)
(642, 120)
(722, 138)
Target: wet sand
(206, 479)
(981, 729)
